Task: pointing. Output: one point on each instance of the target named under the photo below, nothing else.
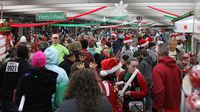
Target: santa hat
(23, 39)
(149, 39)
(127, 40)
(114, 34)
(173, 35)
(143, 42)
(109, 66)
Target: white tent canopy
(185, 25)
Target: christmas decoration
(121, 8)
(188, 61)
(54, 22)
(160, 10)
(88, 24)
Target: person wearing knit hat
(42, 83)
(23, 39)
(109, 69)
(38, 59)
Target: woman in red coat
(109, 69)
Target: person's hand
(72, 58)
(128, 93)
(80, 66)
(93, 65)
(82, 58)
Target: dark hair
(43, 45)
(85, 89)
(144, 52)
(74, 67)
(12, 52)
(125, 57)
(131, 59)
(163, 49)
(22, 51)
(84, 43)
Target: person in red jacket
(136, 91)
(109, 69)
(166, 82)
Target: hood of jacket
(168, 61)
(51, 56)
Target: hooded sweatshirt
(146, 67)
(38, 86)
(166, 85)
(52, 61)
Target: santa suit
(111, 94)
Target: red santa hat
(173, 35)
(149, 39)
(109, 66)
(114, 34)
(143, 42)
(127, 40)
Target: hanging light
(121, 7)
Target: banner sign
(50, 16)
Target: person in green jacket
(60, 48)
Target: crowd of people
(121, 72)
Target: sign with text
(50, 16)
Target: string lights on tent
(121, 8)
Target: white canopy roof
(185, 25)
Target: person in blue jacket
(62, 79)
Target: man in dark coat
(10, 73)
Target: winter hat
(23, 39)
(114, 34)
(127, 40)
(149, 39)
(109, 66)
(143, 42)
(38, 59)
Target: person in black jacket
(10, 73)
(38, 86)
(67, 63)
(84, 94)
(146, 68)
